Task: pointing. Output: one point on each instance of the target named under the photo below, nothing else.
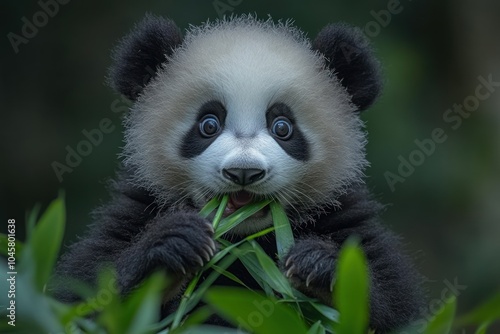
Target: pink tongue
(241, 198)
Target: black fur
(395, 295)
(137, 237)
(351, 58)
(296, 146)
(139, 55)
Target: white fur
(247, 65)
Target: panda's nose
(243, 176)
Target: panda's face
(258, 154)
(249, 112)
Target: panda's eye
(282, 128)
(209, 126)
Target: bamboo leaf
(45, 241)
(316, 328)
(220, 211)
(254, 312)
(482, 328)
(283, 230)
(210, 207)
(272, 274)
(441, 323)
(486, 312)
(351, 290)
(237, 217)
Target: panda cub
(255, 110)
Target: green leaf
(317, 328)
(45, 241)
(229, 275)
(137, 313)
(191, 297)
(107, 302)
(283, 230)
(441, 323)
(237, 217)
(210, 329)
(328, 312)
(486, 312)
(209, 207)
(271, 272)
(220, 211)
(196, 317)
(31, 220)
(254, 312)
(249, 259)
(183, 307)
(351, 290)
(144, 304)
(482, 329)
(313, 311)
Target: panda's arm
(394, 287)
(131, 235)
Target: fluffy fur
(247, 74)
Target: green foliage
(254, 312)
(278, 308)
(283, 229)
(351, 290)
(443, 320)
(486, 312)
(44, 243)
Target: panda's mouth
(241, 198)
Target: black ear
(351, 58)
(139, 55)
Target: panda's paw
(181, 243)
(310, 265)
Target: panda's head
(245, 107)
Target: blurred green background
(447, 210)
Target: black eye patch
(195, 140)
(294, 144)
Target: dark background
(447, 210)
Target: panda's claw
(290, 271)
(288, 261)
(309, 278)
(206, 255)
(332, 283)
(199, 260)
(211, 228)
(212, 246)
(209, 251)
